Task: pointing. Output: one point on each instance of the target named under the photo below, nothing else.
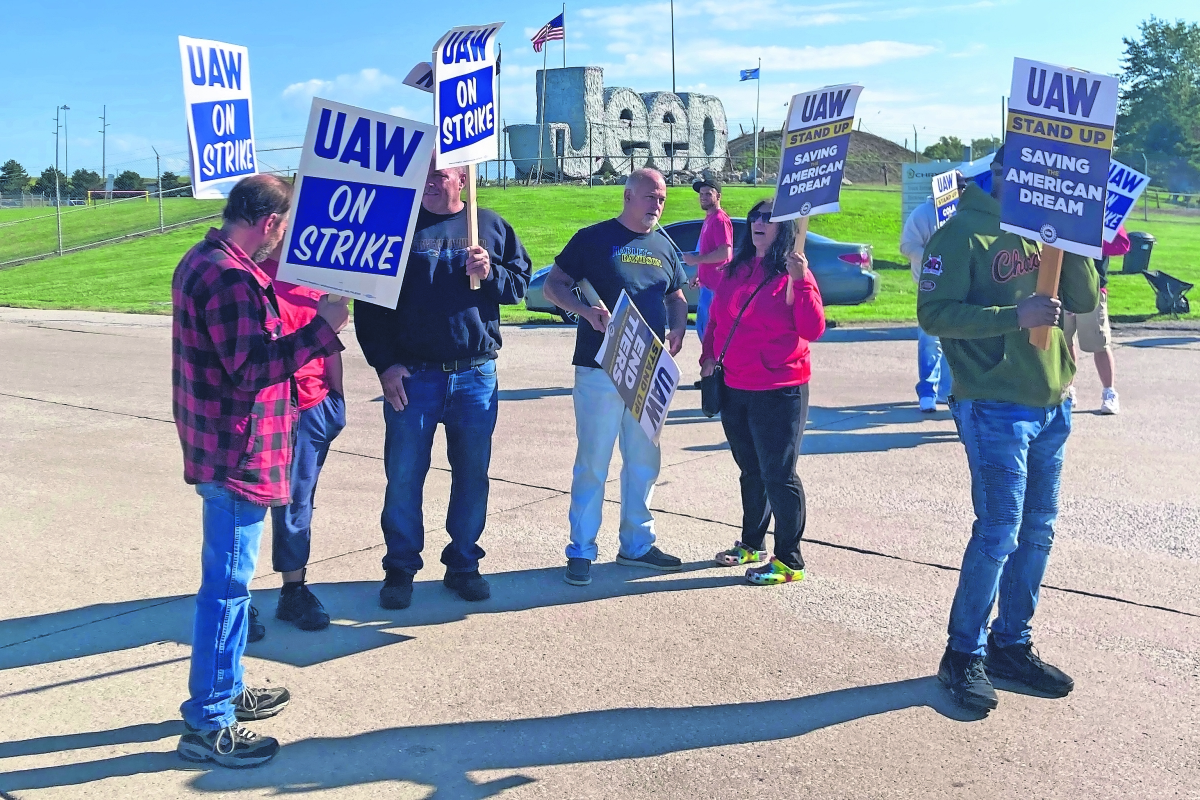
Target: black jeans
(764, 430)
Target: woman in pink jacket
(765, 357)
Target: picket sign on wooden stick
(472, 214)
(1047, 286)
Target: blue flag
(750, 74)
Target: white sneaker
(1109, 402)
(1071, 393)
(928, 405)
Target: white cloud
(352, 88)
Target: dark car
(843, 270)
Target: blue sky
(939, 65)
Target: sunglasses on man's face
(763, 214)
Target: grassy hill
(135, 275)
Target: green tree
(170, 181)
(13, 177)
(83, 180)
(128, 181)
(45, 183)
(1159, 109)
(949, 148)
(981, 147)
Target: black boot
(1021, 664)
(967, 681)
(301, 607)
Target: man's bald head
(645, 196)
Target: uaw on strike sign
(355, 202)
(1056, 155)
(220, 122)
(634, 359)
(814, 152)
(465, 108)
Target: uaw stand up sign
(1056, 157)
(814, 156)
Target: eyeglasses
(754, 216)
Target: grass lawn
(26, 232)
(135, 275)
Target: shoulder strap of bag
(733, 328)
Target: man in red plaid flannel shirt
(235, 410)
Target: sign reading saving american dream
(355, 203)
(1125, 186)
(220, 121)
(464, 95)
(814, 152)
(634, 359)
(1056, 153)
(945, 196)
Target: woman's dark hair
(257, 196)
(776, 260)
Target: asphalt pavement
(640, 685)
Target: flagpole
(757, 101)
(564, 35)
(672, 46)
(542, 122)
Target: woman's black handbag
(713, 386)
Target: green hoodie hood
(971, 281)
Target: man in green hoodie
(1009, 400)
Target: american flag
(553, 31)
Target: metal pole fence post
(158, 172)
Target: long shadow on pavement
(441, 756)
(359, 623)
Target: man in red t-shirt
(322, 416)
(715, 246)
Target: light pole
(57, 196)
(672, 46)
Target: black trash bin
(1138, 257)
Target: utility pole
(103, 144)
(158, 173)
(916, 147)
(57, 197)
(66, 144)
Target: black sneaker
(261, 703)
(579, 572)
(967, 681)
(299, 605)
(1021, 664)
(256, 630)
(654, 559)
(468, 585)
(234, 747)
(397, 590)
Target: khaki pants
(1094, 332)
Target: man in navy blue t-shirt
(623, 253)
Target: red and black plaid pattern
(234, 397)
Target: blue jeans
(933, 373)
(232, 531)
(702, 304)
(465, 403)
(601, 419)
(1015, 453)
(291, 525)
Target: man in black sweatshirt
(436, 359)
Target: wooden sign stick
(1049, 271)
(472, 214)
(798, 248)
